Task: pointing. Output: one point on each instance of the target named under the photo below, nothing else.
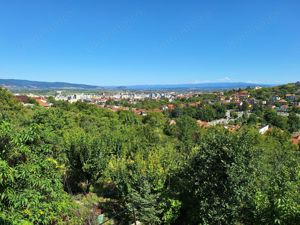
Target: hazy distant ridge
(42, 85)
(15, 84)
(200, 86)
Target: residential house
(171, 106)
(264, 129)
(22, 98)
(282, 102)
(283, 108)
(172, 122)
(164, 108)
(296, 138)
(290, 97)
(275, 98)
(42, 101)
(203, 123)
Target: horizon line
(158, 84)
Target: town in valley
(229, 108)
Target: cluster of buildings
(281, 104)
(237, 97)
(112, 96)
(30, 100)
(106, 99)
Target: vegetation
(71, 162)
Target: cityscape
(149, 112)
(236, 103)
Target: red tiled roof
(296, 139)
(202, 123)
(41, 101)
(22, 98)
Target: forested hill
(72, 162)
(280, 90)
(14, 84)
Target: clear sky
(110, 42)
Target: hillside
(14, 84)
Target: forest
(69, 163)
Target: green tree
(293, 122)
(214, 186)
(277, 196)
(206, 113)
(31, 187)
(279, 121)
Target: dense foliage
(60, 165)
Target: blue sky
(110, 42)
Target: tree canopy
(63, 164)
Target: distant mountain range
(14, 84)
(196, 86)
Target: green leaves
(156, 172)
(240, 178)
(31, 186)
